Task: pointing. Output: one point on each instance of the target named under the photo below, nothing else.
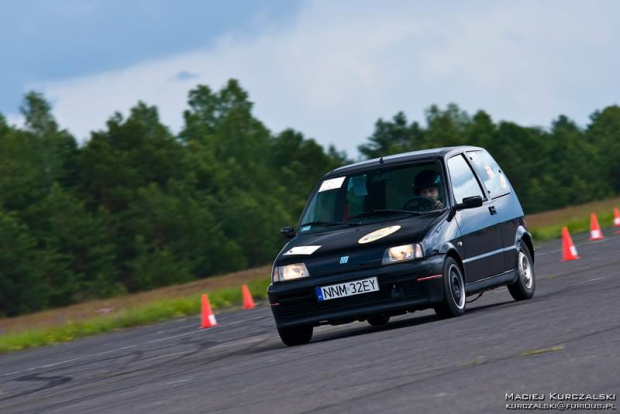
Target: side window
(487, 168)
(464, 183)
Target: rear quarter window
(488, 170)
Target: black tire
(453, 303)
(525, 285)
(296, 335)
(378, 320)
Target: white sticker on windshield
(307, 250)
(332, 184)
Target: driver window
(464, 183)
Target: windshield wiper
(329, 223)
(389, 211)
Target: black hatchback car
(401, 233)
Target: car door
(480, 233)
(509, 212)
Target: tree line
(137, 207)
(549, 168)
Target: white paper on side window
(308, 250)
(332, 184)
(502, 181)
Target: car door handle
(492, 210)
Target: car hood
(362, 245)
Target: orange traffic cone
(595, 229)
(569, 252)
(208, 318)
(248, 302)
(617, 219)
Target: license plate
(341, 290)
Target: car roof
(427, 154)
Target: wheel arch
(452, 252)
(449, 249)
(523, 236)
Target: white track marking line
(178, 381)
(123, 348)
(71, 360)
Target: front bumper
(295, 302)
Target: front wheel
(296, 335)
(453, 303)
(525, 284)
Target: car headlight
(290, 272)
(403, 253)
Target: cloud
(186, 75)
(339, 66)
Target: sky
(329, 69)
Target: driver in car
(426, 184)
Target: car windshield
(375, 195)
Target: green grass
(554, 231)
(154, 312)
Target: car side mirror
(288, 232)
(469, 202)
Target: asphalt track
(565, 340)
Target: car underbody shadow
(361, 328)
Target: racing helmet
(426, 179)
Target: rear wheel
(378, 320)
(296, 335)
(525, 284)
(453, 303)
